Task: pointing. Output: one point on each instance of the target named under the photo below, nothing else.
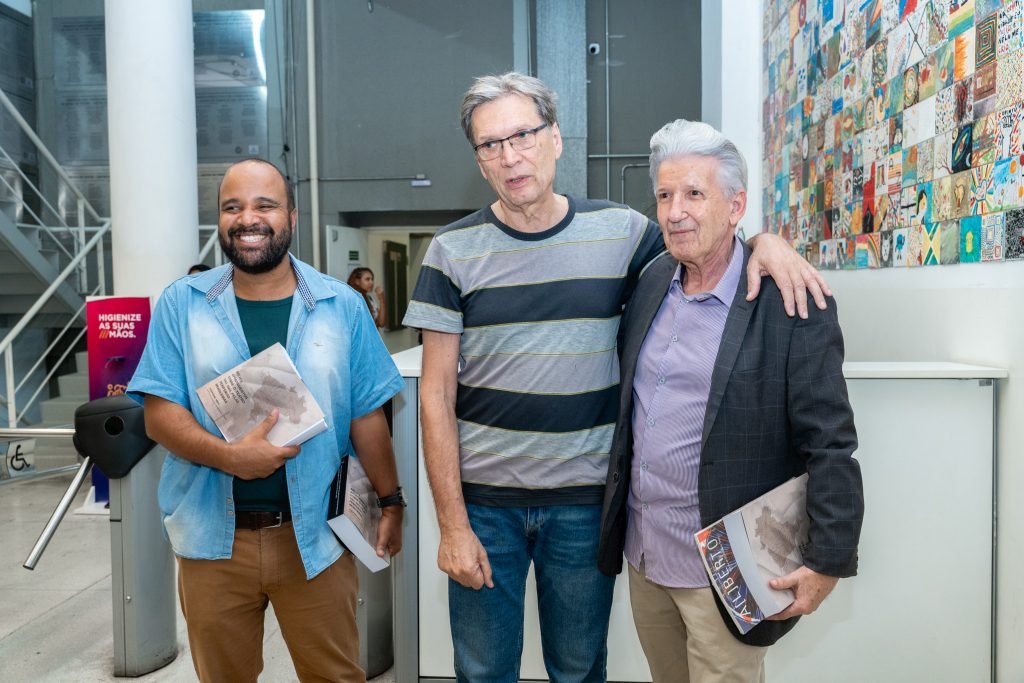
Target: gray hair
(489, 88)
(686, 138)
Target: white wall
(968, 313)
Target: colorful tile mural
(894, 130)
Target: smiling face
(255, 225)
(697, 218)
(523, 178)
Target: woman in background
(361, 280)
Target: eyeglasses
(524, 139)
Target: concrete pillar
(562, 65)
(151, 113)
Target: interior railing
(80, 248)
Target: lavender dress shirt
(670, 396)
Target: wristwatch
(395, 498)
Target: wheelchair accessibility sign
(19, 458)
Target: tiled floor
(55, 622)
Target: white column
(151, 113)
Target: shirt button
(645, 506)
(650, 422)
(675, 337)
(661, 380)
(643, 466)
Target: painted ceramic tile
(860, 254)
(1004, 184)
(923, 205)
(898, 43)
(983, 8)
(985, 41)
(984, 192)
(827, 254)
(882, 102)
(917, 23)
(942, 159)
(945, 65)
(942, 199)
(992, 237)
(961, 17)
(1011, 28)
(925, 161)
(895, 134)
(926, 78)
(984, 140)
(1010, 131)
(842, 253)
(963, 102)
(885, 249)
(962, 190)
(883, 209)
(1014, 235)
(985, 81)
(879, 63)
(944, 106)
(931, 247)
(894, 172)
(909, 165)
(960, 153)
(937, 13)
(899, 246)
(1009, 79)
(915, 245)
(890, 15)
(963, 57)
(872, 246)
(910, 87)
(949, 243)
(970, 240)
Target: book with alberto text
(748, 547)
(243, 396)
(353, 515)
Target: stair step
(19, 303)
(21, 283)
(82, 363)
(75, 385)
(59, 411)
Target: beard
(262, 260)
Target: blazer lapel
(645, 302)
(732, 338)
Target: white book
(353, 514)
(242, 397)
(748, 547)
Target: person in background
(361, 280)
(198, 268)
(248, 520)
(723, 399)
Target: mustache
(261, 229)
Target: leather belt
(253, 520)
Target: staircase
(59, 411)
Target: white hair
(685, 138)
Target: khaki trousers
(685, 639)
(224, 603)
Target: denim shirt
(195, 335)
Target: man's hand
(793, 275)
(255, 457)
(462, 557)
(809, 588)
(389, 532)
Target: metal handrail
(7, 345)
(212, 243)
(58, 169)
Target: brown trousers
(224, 603)
(685, 639)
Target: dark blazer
(777, 408)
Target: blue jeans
(574, 598)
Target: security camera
(594, 48)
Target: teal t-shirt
(264, 324)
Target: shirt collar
(213, 283)
(725, 290)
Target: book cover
(353, 515)
(242, 397)
(752, 545)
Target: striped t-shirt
(538, 380)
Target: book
(243, 396)
(353, 515)
(761, 541)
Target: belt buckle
(280, 520)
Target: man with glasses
(519, 304)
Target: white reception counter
(921, 606)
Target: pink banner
(116, 334)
